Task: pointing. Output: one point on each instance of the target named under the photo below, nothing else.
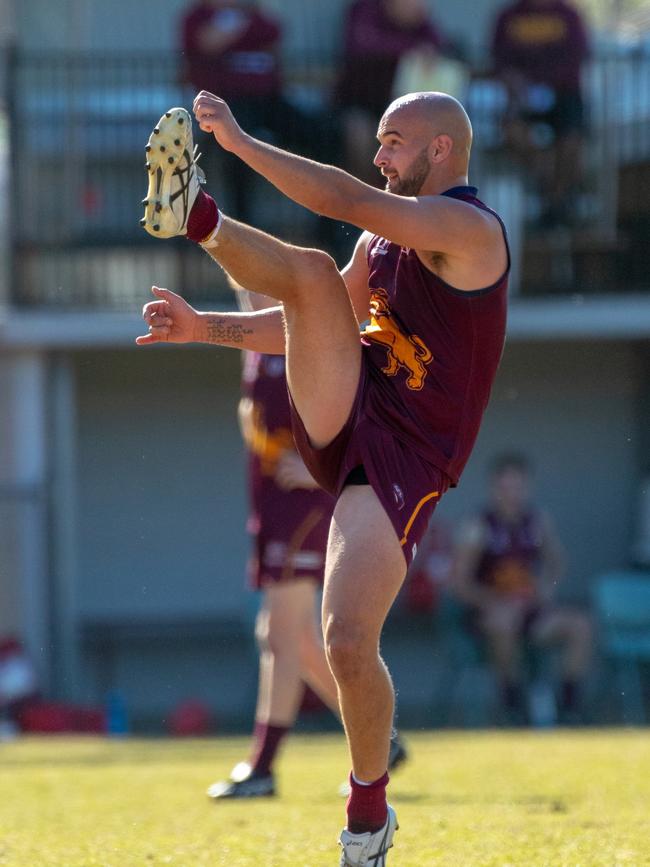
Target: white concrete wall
(160, 480)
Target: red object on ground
(191, 718)
(58, 718)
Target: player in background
(385, 420)
(289, 520)
(507, 567)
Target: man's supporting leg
(364, 571)
(323, 346)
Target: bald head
(430, 114)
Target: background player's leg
(315, 669)
(364, 570)
(286, 615)
(291, 652)
(323, 346)
(278, 630)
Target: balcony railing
(78, 124)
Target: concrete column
(63, 524)
(23, 505)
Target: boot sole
(169, 142)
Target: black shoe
(397, 754)
(254, 786)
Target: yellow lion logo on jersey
(407, 352)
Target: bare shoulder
(431, 222)
(473, 252)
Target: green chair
(622, 606)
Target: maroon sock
(366, 807)
(203, 217)
(267, 743)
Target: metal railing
(77, 128)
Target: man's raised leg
(323, 346)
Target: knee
(310, 649)
(269, 636)
(347, 647)
(316, 268)
(262, 632)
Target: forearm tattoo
(220, 330)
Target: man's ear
(440, 148)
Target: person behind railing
(507, 567)
(232, 48)
(377, 34)
(539, 48)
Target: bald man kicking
(385, 420)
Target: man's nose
(380, 158)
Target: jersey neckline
(460, 190)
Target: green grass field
(558, 799)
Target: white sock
(210, 241)
(360, 782)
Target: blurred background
(122, 494)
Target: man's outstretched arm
(170, 319)
(425, 223)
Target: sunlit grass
(557, 799)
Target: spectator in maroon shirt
(507, 567)
(232, 48)
(539, 48)
(377, 34)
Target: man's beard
(418, 172)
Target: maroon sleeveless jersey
(289, 528)
(511, 556)
(264, 382)
(431, 351)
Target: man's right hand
(170, 319)
(213, 115)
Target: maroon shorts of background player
(408, 487)
(289, 539)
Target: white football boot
(174, 176)
(368, 850)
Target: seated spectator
(507, 568)
(232, 48)
(425, 68)
(539, 48)
(377, 34)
